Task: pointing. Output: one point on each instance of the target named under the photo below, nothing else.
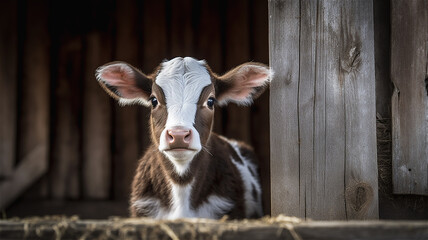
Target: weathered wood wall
(409, 73)
(323, 145)
(55, 117)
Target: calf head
(182, 94)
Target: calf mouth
(180, 154)
(181, 149)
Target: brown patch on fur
(219, 176)
(159, 115)
(247, 152)
(215, 174)
(150, 180)
(204, 116)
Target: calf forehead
(182, 80)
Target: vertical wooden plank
(96, 122)
(209, 45)
(154, 34)
(307, 112)
(34, 109)
(358, 72)
(8, 85)
(237, 52)
(260, 109)
(409, 57)
(66, 155)
(126, 139)
(326, 139)
(65, 171)
(181, 29)
(283, 57)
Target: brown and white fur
(189, 171)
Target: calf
(189, 171)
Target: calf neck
(189, 171)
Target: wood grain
(409, 59)
(96, 136)
(323, 147)
(24, 175)
(66, 154)
(182, 36)
(8, 86)
(284, 136)
(34, 93)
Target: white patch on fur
(252, 205)
(182, 81)
(215, 207)
(150, 207)
(134, 101)
(180, 205)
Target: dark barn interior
(86, 145)
(69, 149)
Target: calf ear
(125, 83)
(242, 84)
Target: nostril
(188, 136)
(170, 136)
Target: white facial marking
(182, 81)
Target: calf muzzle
(179, 138)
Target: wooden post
(96, 136)
(8, 85)
(409, 73)
(181, 41)
(66, 154)
(33, 142)
(323, 132)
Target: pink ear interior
(244, 83)
(123, 79)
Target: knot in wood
(359, 197)
(352, 59)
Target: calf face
(182, 94)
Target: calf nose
(179, 137)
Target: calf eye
(154, 102)
(210, 102)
